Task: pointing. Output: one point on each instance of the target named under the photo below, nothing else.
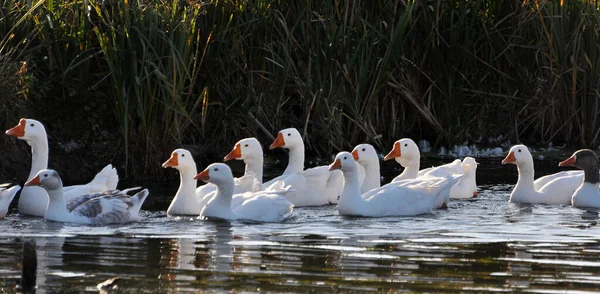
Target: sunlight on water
(486, 244)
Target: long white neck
(254, 165)
(224, 194)
(57, 207)
(372, 177)
(351, 202)
(526, 175)
(411, 168)
(39, 155)
(187, 184)
(185, 201)
(296, 162)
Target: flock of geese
(352, 182)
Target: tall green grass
(344, 72)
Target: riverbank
(126, 82)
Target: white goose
(188, 197)
(6, 197)
(404, 198)
(32, 200)
(587, 194)
(312, 187)
(109, 207)
(367, 157)
(557, 191)
(406, 152)
(467, 186)
(262, 206)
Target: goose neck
(296, 160)
(39, 155)
(254, 165)
(526, 176)
(591, 174)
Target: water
(485, 244)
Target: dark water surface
(486, 244)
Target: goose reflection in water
(194, 259)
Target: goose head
(582, 159)
(344, 161)
(47, 179)
(469, 164)
(248, 148)
(405, 151)
(365, 154)
(28, 129)
(216, 173)
(287, 138)
(518, 154)
(180, 159)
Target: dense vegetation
(131, 80)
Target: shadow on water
(478, 245)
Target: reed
(208, 73)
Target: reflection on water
(486, 244)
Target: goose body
(109, 207)
(467, 186)
(542, 181)
(34, 200)
(261, 206)
(312, 187)
(556, 191)
(402, 198)
(6, 197)
(588, 193)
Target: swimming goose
(406, 152)
(367, 157)
(32, 200)
(109, 207)
(188, 197)
(312, 187)
(467, 186)
(587, 194)
(557, 191)
(6, 197)
(402, 198)
(261, 206)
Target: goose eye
(216, 169)
(519, 150)
(345, 157)
(364, 149)
(182, 155)
(246, 145)
(31, 125)
(406, 145)
(289, 134)
(46, 175)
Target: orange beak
(568, 162)
(337, 164)
(279, 142)
(173, 161)
(235, 153)
(202, 176)
(19, 130)
(355, 155)
(394, 153)
(33, 182)
(510, 158)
